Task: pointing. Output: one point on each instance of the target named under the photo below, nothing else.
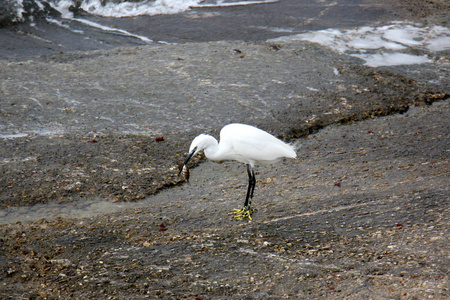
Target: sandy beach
(91, 205)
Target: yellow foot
(244, 213)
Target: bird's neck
(212, 149)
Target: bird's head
(200, 143)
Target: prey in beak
(184, 169)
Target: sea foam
(394, 44)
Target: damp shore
(91, 204)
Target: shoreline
(245, 23)
(123, 105)
(362, 213)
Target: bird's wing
(255, 144)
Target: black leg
(251, 186)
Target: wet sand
(89, 123)
(362, 213)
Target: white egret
(246, 144)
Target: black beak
(186, 160)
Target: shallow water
(389, 45)
(20, 10)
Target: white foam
(63, 7)
(115, 30)
(18, 5)
(111, 9)
(61, 24)
(238, 3)
(140, 8)
(441, 40)
(385, 45)
(131, 9)
(405, 35)
(392, 59)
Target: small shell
(186, 173)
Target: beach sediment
(362, 213)
(90, 120)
